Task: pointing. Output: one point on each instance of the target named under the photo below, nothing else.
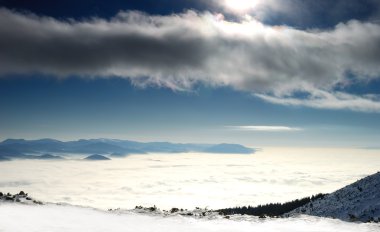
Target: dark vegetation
(272, 209)
(262, 211)
(268, 210)
(21, 197)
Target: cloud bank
(190, 180)
(265, 128)
(180, 50)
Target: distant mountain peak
(96, 157)
(229, 149)
(11, 141)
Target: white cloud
(190, 180)
(265, 128)
(326, 100)
(177, 51)
(237, 6)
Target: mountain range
(21, 148)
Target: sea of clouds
(189, 180)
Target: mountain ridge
(24, 149)
(359, 201)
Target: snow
(59, 218)
(359, 201)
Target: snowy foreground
(57, 218)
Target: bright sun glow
(240, 5)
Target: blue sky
(267, 73)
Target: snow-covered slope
(58, 218)
(359, 201)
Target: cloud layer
(190, 180)
(265, 128)
(177, 51)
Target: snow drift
(58, 218)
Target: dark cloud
(29, 43)
(179, 50)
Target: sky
(254, 72)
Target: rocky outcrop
(20, 197)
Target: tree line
(272, 209)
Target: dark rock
(154, 208)
(174, 210)
(37, 202)
(352, 217)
